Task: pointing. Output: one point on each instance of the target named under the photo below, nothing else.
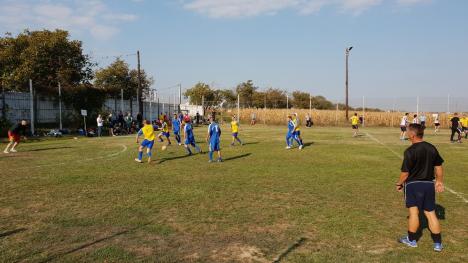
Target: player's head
(415, 115)
(211, 119)
(147, 122)
(455, 114)
(289, 117)
(175, 115)
(355, 114)
(234, 117)
(406, 114)
(415, 131)
(24, 122)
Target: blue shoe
(438, 247)
(405, 240)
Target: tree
(246, 91)
(301, 100)
(46, 57)
(118, 76)
(321, 103)
(199, 91)
(276, 98)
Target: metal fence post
(31, 92)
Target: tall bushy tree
(276, 98)
(301, 100)
(246, 91)
(46, 57)
(197, 92)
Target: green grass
(87, 200)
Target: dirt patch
(240, 253)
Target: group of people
(120, 124)
(294, 132)
(458, 125)
(184, 123)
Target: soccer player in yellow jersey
(464, 123)
(148, 134)
(165, 133)
(235, 131)
(355, 124)
(297, 131)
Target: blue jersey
(175, 125)
(214, 131)
(189, 131)
(291, 127)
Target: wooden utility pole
(139, 93)
(347, 82)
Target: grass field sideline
(86, 200)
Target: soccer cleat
(13, 151)
(301, 146)
(6, 151)
(405, 240)
(438, 247)
(288, 147)
(180, 144)
(138, 160)
(210, 161)
(220, 160)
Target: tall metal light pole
(347, 82)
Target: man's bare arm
(402, 180)
(439, 174)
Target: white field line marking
(124, 149)
(459, 195)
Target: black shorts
(403, 128)
(355, 127)
(423, 123)
(420, 194)
(437, 124)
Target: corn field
(330, 117)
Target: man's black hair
(418, 129)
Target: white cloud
(91, 17)
(247, 8)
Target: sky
(402, 48)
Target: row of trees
(50, 57)
(251, 96)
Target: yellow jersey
(234, 126)
(354, 120)
(165, 127)
(148, 132)
(464, 122)
(296, 124)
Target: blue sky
(403, 48)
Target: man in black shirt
(14, 135)
(455, 121)
(421, 165)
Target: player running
(403, 125)
(164, 133)
(297, 131)
(14, 136)
(148, 134)
(290, 134)
(464, 123)
(415, 119)
(176, 123)
(235, 131)
(213, 138)
(436, 123)
(456, 128)
(189, 138)
(355, 124)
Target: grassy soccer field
(69, 200)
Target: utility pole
(180, 97)
(140, 101)
(347, 80)
(31, 100)
(60, 106)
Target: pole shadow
(48, 149)
(237, 157)
(12, 232)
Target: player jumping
(148, 133)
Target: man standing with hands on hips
(421, 165)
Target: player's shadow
(173, 158)
(237, 157)
(12, 232)
(49, 148)
(423, 224)
(307, 144)
(250, 143)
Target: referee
(421, 165)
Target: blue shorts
(234, 134)
(166, 134)
(189, 141)
(297, 133)
(148, 144)
(214, 146)
(420, 194)
(176, 133)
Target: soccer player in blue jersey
(189, 138)
(176, 128)
(213, 138)
(148, 133)
(297, 131)
(291, 135)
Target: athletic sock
(411, 236)
(140, 155)
(239, 140)
(211, 155)
(188, 150)
(149, 154)
(437, 238)
(197, 148)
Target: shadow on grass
(48, 149)
(250, 143)
(97, 241)
(12, 232)
(176, 157)
(307, 144)
(237, 157)
(440, 212)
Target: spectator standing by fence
(308, 121)
(128, 122)
(110, 122)
(100, 124)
